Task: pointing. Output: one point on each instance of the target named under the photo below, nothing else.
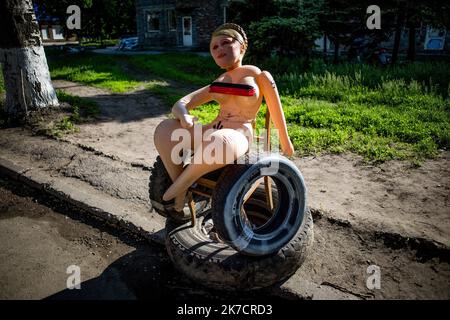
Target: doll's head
(228, 45)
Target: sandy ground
(392, 215)
(394, 196)
(391, 197)
(125, 128)
(40, 238)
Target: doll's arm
(270, 92)
(194, 99)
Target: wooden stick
(191, 204)
(268, 188)
(252, 189)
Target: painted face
(226, 51)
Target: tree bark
(398, 32)
(25, 70)
(412, 42)
(336, 51)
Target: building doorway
(187, 31)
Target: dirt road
(39, 244)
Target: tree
(433, 13)
(284, 27)
(25, 70)
(344, 22)
(101, 19)
(399, 23)
(413, 14)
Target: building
(52, 31)
(174, 23)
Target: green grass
(401, 112)
(98, 43)
(377, 132)
(102, 71)
(392, 116)
(108, 72)
(187, 68)
(82, 110)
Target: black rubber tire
(227, 198)
(160, 181)
(218, 266)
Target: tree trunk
(398, 33)
(25, 70)
(336, 51)
(412, 42)
(411, 24)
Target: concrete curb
(117, 213)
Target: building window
(172, 20)
(152, 21)
(57, 32)
(44, 33)
(435, 39)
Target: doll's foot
(179, 216)
(180, 202)
(179, 211)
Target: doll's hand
(187, 121)
(288, 150)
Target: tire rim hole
(255, 214)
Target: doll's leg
(226, 145)
(164, 145)
(169, 150)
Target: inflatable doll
(239, 92)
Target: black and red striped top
(232, 88)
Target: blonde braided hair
(232, 30)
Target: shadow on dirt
(145, 273)
(142, 274)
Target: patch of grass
(62, 127)
(325, 81)
(102, 71)
(98, 43)
(377, 132)
(81, 110)
(207, 112)
(84, 109)
(184, 67)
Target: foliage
(188, 68)
(265, 21)
(102, 19)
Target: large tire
(218, 266)
(160, 181)
(288, 215)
